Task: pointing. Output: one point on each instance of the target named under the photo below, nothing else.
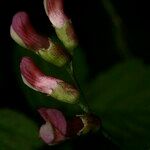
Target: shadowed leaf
(121, 96)
(17, 132)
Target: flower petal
(47, 133)
(56, 118)
(28, 36)
(34, 78)
(54, 10)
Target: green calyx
(54, 54)
(65, 93)
(67, 36)
(91, 123)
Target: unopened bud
(62, 24)
(38, 81)
(25, 35)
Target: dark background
(93, 28)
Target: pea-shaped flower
(25, 35)
(62, 24)
(35, 79)
(55, 128)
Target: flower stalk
(83, 102)
(118, 30)
(62, 23)
(57, 127)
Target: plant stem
(120, 41)
(82, 103)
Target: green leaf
(17, 132)
(121, 96)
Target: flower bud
(54, 130)
(55, 12)
(25, 35)
(61, 23)
(58, 129)
(38, 81)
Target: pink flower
(34, 78)
(55, 128)
(24, 34)
(55, 12)
(38, 81)
(62, 24)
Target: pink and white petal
(56, 118)
(54, 10)
(59, 137)
(23, 28)
(47, 133)
(34, 78)
(16, 37)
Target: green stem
(82, 103)
(108, 136)
(120, 41)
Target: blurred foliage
(121, 96)
(17, 131)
